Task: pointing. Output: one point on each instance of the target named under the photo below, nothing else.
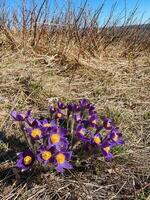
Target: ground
(119, 87)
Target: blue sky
(143, 6)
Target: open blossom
(57, 138)
(59, 114)
(81, 133)
(96, 139)
(36, 133)
(45, 154)
(25, 160)
(106, 149)
(61, 161)
(108, 123)
(93, 120)
(116, 137)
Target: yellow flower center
(47, 125)
(36, 133)
(97, 140)
(94, 121)
(59, 115)
(115, 138)
(60, 158)
(108, 124)
(82, 132)
(27, 160)
(46, 155)
(107, 149)
(55, 138)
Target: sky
(143, 6)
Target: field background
(69, 56)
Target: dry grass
(116, 79)
(119, 89)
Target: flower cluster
(51, 139)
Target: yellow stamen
(115, 138)
(97, 140)
(82, 132)
(47, 125)
(46, 155)
(59, 115)
(27, 160)
(107, 149)
(36, 133)
(108, 124)
(60, 158)
(55, 138)
(94, 121)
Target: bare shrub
(76, 32)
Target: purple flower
(72, 107)
(61, 105)
(61, 161)
(84, 103)
(81, 133)
(106, 148)
(59, 114)
(36, 133)
(116, 136)
(25, 160)
(108, 123)
(93, 120)
(48, 124)
(18, 116)
(96, 139)
(57, 138)
(45, 154)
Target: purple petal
(60, 168)
(68, 155)
(14, 114)
(17, 116)
(67, 165)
